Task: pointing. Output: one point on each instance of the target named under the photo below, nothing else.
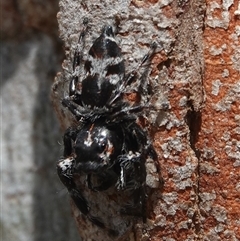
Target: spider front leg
(65, 170)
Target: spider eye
(102, 145)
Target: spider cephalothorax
(108, 147)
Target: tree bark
(195, 75)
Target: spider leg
(65, 170)
(146, 61)
(73, 107)
(148, 150)
(127, 113)
(133, 75)
(77, 58)
(133, 161)
(132, 178)
(69, 136)
(81, 40)
(81, 113)
(133, 171)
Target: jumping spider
(108, 147)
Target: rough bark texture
(195, 74)
(219, 137)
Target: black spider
(108, 146)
